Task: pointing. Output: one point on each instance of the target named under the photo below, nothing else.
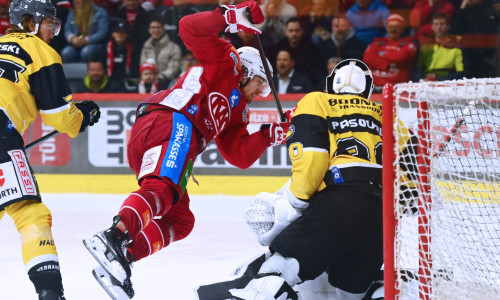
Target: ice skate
(50, 295)
(109, 249)
(113, 287)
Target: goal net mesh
(447, 210)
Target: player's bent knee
(163, 191)
(34, 223)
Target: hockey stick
(43, 138)
(93, 113)
(270, 81)
(467, 112)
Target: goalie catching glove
(268, 214)
(243, 17)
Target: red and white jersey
(382, 52)
(209, 95)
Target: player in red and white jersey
(208, 102)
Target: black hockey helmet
(39, 9)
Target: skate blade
(104, 279)
(97, 248)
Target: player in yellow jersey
(32, 82)
(329, 218)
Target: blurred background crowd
(134, 45)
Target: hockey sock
(154, 198)
(46, 276)
(138, 210)
(151, 239)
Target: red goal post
(442, 201)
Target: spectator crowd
(134, 45)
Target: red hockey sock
(138, 210)
(153, 238)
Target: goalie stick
(220, 290)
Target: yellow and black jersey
(334, 139)
(32, 81)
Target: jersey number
(10, 69)
(354, 147)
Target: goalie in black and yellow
(329, 219)
(32, 82)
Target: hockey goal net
(442, 200)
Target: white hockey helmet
(350, 76)
(38, 9)
(252, 65)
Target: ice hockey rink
(220, 241)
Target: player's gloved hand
(90, 111)
(243, 17)
(289, 114)
(277, 132)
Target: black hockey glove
(90, 112)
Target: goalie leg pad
(264, 287)
(287, 267)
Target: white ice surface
(219, 242)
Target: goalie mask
(252, 65)
(38, 9)
(350, 76)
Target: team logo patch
(146, 218)
(9, 126)
(149, 161)
(220, 110)
(192, 109)
(234, 98)
(156, 247)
